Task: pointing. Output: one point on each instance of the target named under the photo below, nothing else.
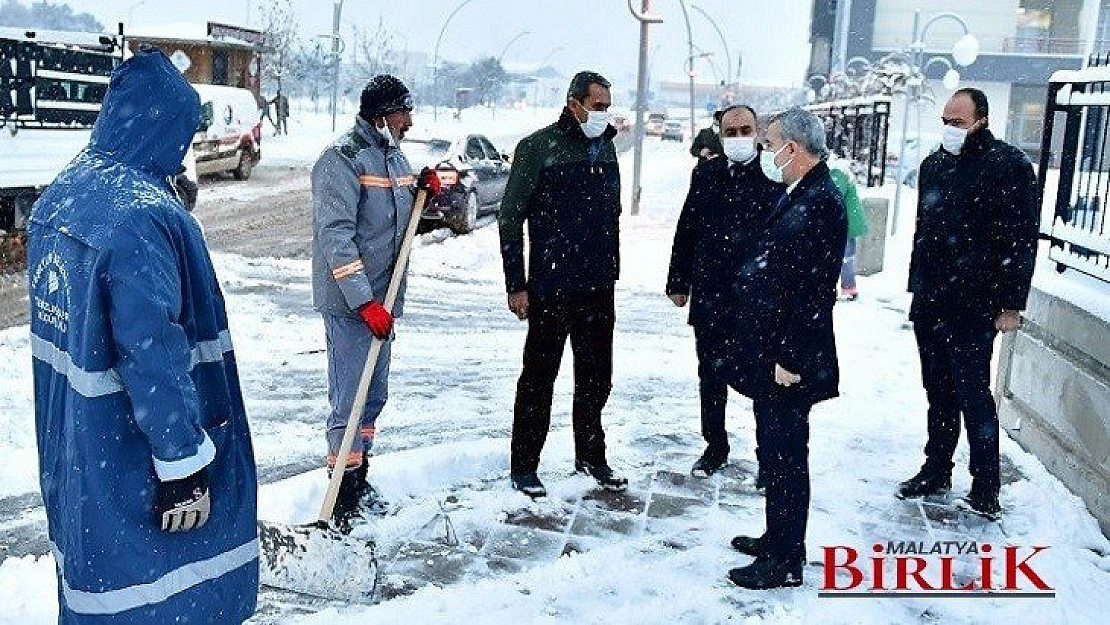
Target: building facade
(1022, 42)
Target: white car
(230, 134)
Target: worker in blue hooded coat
(145, 458)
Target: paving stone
(522, 543)
(684, 485)
(677, 461)
(684, 539)
(553, 520)
(665, 506)
(393, 586)
(603, 524)
(628, 501)
(462, 532)
(437, 564)
(581, 544)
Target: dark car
(672, 131)
(472, 173)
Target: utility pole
(336, 50)
(646, 19)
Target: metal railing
(1077, 128)
(857, 129)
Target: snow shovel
(316, 559)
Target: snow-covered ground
(444, 441)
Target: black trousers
(955, 371)
(782, 433)
(588, 320)
(713, 392)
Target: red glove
(429, 181)
(378, 318)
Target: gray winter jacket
(362, 193)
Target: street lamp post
(646, 19)
(965, 51)
(336, 50)
(724, 42)
(690, 60)
(435, 59)
(500, 58)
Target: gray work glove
(183, 505)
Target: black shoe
(370, 501)
(748, 546)
(768, 572)
(346, 510)
(708, 464)
(604, 475)
(927, 482)
(986, 506)
(529, 484)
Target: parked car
(472, 173)
(229, 137)
(655, 124)
(672, 131)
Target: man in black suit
(718, 228)
(972, 264)
(785, 353)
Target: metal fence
(1077, 132)
(856, 129)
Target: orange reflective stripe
(343, 271)
(375, 181)
(354, 459)
(369, 432)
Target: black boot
(529, 484)
(984, 504)
(709, 463)
(748, 545)
(370, 501)
(927, 482)
(346, 509)
(604, 475)
(768, 572)
(760, 482)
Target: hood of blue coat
(149, 115)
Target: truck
(52, 85)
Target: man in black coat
(719, 226)
(565, 183)
(784, 356)
(972, 263)
(707, 143)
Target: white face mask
(388, 134)
(596, 123)
(767, 164)
(952, 139)
(739, 149)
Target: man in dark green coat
(565, 183)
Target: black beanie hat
(384, 94)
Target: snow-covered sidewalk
(658, 554)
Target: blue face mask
(767, 164)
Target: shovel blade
(317, 560)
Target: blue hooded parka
(135, 379)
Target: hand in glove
(183, 505)
(429, 181)
(378, 318)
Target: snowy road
(446, 427)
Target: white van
(230, 134)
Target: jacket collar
(819, 171)
(977, 142)
(367, 131)
(570, 126)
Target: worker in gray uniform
(362, 198)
